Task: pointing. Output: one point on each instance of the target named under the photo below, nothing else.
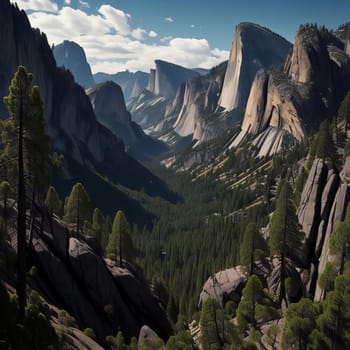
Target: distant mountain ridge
(131, 83)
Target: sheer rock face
(195, 106)
(322, 206)
(108, 103)
(97, 293)
(315, 79)
(72, 57)
(253, 47)
(166, 79)
(71, 121)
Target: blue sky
(130, 34)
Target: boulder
(145, 306)
(224, 285)
(147, 333)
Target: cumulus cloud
(152, 34)
(117, 18)
(168, 19)
(112, 45)
(138, 33)
(37, 5)
(67, 2)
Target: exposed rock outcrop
(253, 47)
(322, 206)
(314, 80)
(97, 293)
(224, 285)
(148, 109)
(72, 57)
(132, 84)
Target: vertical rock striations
(253, 47)
(314, 80)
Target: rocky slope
(314, 80)
(72, 275)
(132, 84)
(253, 47)
(89, 148)
(72, 57)
(109, 106)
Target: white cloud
(37, 5)
(67, 2)
(83, 4)
(138, 33)
(117, 18)
(168, 19)
(152, 34)
(112, 45)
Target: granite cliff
(253, 47)
(314, 80)
(72, 57)
(109, 106)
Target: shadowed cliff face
(91, 151)
(72, 56)
(315, 78)
(253, 47)
(109, 105)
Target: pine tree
(18, 103)
(97, 224)
(120, 243)
(285, 234)
(340, 240)
(52, 201)
(78, 207)
(300, 322)
(256, 305)
(211, 326)
(253, 246)
(334, 323)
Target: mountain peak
(72, 56)
(253, 47)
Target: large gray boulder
(224, 285)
